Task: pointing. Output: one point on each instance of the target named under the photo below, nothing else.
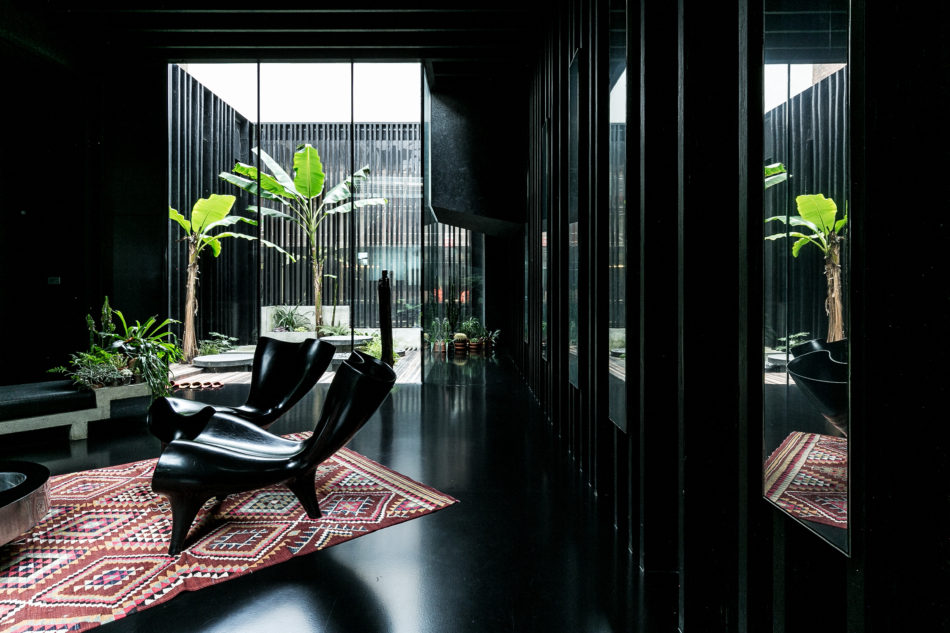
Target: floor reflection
(456, 369)
(805, 471)
(523, 550)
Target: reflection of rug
(100, 553)
(807, 475)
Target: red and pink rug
(807, 475)
(101, 552)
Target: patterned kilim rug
(101, 552)
(807, 475)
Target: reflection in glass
(453, 303)
(573, 238)
(616, 233)
(805, 264)
(545, 201)
(524, 281)
(386, 110)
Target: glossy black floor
(522, 551)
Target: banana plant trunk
(190, 344)
(833, 303)
(316, 268)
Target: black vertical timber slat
(658, 291)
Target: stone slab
(225, 362)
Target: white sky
(316, 92)
(777, 88)
(386, 92)
(618, 99)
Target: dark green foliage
(217, 344)
(139, 353)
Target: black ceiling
(806, 31)
(457, 42)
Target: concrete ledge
(78, 421)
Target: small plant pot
(475, 347)
(461, 347)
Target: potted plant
(288, 324)
(438, 333)
(460, 340)
(303, 201)
(138, 353)
(475, 332)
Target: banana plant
(818, 217)
(207, 215)
(302, 200)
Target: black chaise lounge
(233, 455)
(282, 373)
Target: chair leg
(304, 488)
(184, 510)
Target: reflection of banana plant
(303, 199)
(817, 214)
(207, 214)
(774, 174)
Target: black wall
(714, 556)
(46, 248)
(479, 164)
(690, 461)
(83, 214)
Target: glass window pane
(298, 126)
(617, 222)
(545, 254)
(805, 266)
(573, 229)
(212, 117)
(387, 108)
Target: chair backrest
(283, 372)
(359, 386)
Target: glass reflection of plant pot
(838, 349)
(824, 381)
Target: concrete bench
(42, 405)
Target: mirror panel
(805, 266)
(573, 226)
(617, 221)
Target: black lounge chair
(233, 455)
(282, 373)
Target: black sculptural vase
(233, 455)
(820, 370)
